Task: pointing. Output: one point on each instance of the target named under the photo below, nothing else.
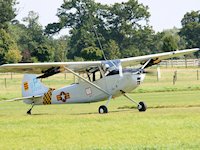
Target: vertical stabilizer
(31, 86)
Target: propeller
(150, 72)
(120, 70)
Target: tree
(43, 52)
(61, 49)
(112, 50)
(79, 17)
(168, 40)
(181, 43)
(190, 30)
(169, 43)
(142, 41)
(125, 18)
(7, 12)
(35, 31)
(13, 56)
(8, 49)
(34, 43)
(91, 53)
(124, 23)
(80, 39)
(127, 24)
(131, 51)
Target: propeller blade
(150, 72)
(120, 70)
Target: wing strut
(146, 63)
(94, 85)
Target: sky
(165, 14)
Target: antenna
(104, 56)
(102, 48)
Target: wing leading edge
(38, 68)
(41, 68)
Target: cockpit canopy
(108, 68)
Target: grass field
(172, 120)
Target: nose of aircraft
(140, 78)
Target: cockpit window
(94, 74)
(116, 71)
(113, 72)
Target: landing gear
(103, 109)
(29, 111)
(141, 106)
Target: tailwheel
(29, 111)
(142, 106)
(103, 109)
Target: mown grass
(171, 122)
(81, 127)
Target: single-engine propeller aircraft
(114, 79)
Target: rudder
(31, 86)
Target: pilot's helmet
(105, 67)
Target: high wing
(156, 58)
(56, 67)
(39, 68)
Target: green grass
(171, 122)
(81, 127)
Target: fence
(180, 63)
(8, 80)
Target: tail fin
(31, 86)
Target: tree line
(120, 30)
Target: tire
(103, 109)
(142, 107)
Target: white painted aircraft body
(82, 92)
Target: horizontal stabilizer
(23, 98)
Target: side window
(96, 75)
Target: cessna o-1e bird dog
(114, 79)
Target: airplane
(105, 80)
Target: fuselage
(83, 92)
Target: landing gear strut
(103, 108)
(29, 111)
(141, 106)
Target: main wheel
(142, 106)
(103, 109)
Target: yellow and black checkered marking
(47, 97)
(26, 86)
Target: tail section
(31, 86)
